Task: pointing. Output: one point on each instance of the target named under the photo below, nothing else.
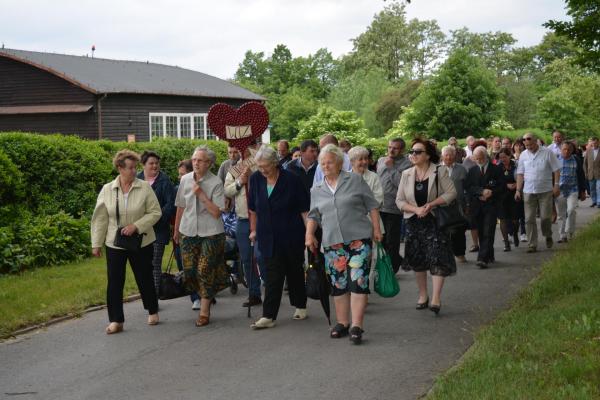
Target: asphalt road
(403, 351)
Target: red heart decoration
(240, 127)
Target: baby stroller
(232, 254)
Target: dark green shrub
(11, 190)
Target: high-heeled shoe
(435, 308)
(422, 306)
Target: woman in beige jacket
(139, 210)
(426, 247)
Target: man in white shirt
(469, 146)
(557, 140)
(538, 177)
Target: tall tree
(583, 30)
(461, 99)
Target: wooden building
(108, 99)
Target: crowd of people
(334, 201)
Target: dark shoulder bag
(450, 216)
(131, 243)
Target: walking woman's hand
(176, 237)
(311, 242)
(252, 236)
(377, 236)
(97, 252)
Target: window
(180, 126)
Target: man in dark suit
(484, 187)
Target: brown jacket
(591, 167)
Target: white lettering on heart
(238, 132)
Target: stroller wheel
(233, 286)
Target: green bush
(11, 190)
(44, 240)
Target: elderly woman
(278, 204)
(129, 205)
(165, 193)
(359, 159)
(423, 188)
(341, 204)
(199, 231)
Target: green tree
(343, 124)
(583, 30)
(288, 109)
(390, 105)
(554, 47)
(520, 102)
(461, 99)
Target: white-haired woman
(340, 205)
(199, 230)
(278, 204)
(359, 159)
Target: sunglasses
(416, 152)
(527, 138)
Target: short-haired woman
(278, 203)
(359, 159)
(341, 204)
(165, 193)
(427, 248)
(128, 204)
(199, 231)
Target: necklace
(419, 186)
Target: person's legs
(596, 189)
(273, 286)
(546, 202)
(593, 190)
(141, 264)
(342, 308)
(458, 241)
(358, 304)
(561, 207)
(294, 272)
(572, 202)
(421, 278)
(475, 236)
(391, 241)
(115, 269)
(531, 204)
(438, 284)
(487, 229)
(157, 257)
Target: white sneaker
(196, 305)
(300, 314)
(263, 323)
(523, 237)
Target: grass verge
(40, 295)
(547, 346)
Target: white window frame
(179, 115)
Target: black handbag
(448, 217)
(171, 286)
(131, 243)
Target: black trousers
(458, 241)
(279, 267)
(141, 264)
(486, 225)
(392, 223)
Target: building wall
(24, 85)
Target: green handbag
(386, 284)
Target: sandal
(114, 327)
(202, 320)
(356, 335)
(338, 331)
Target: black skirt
(426, 248)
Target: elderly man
(389, 169)
(460, 153)
(305, 166)
(538, 168)
(330, 138)
(485, 185)
(591, 167)
(495, 148)
(470, 146)
(458, 174)
(557, 141)
(572, 188)
(283, 152)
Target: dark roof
(100, 75)
(45, 109)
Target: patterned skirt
(426, 248)
(204, 265)
(348, 266)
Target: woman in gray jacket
(340, 205)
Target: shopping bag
(386, 284)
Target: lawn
(39, 295)
(547, 346)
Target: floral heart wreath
(240, 127)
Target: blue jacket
(279, 224)
(165, 192)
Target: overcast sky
(212, 36)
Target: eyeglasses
(527, 138)
(415, 152)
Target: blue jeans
(194, 296)
(595, 190)
(243, 242)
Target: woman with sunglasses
(423, 188)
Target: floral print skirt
(204, 267)
(348, 266)
(426, 248)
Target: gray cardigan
(343, 215)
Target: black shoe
(481, 265)
(506, 245)
(252, 301)
(356, 335)
(593, 205)
(422, 306)
(435, 309)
